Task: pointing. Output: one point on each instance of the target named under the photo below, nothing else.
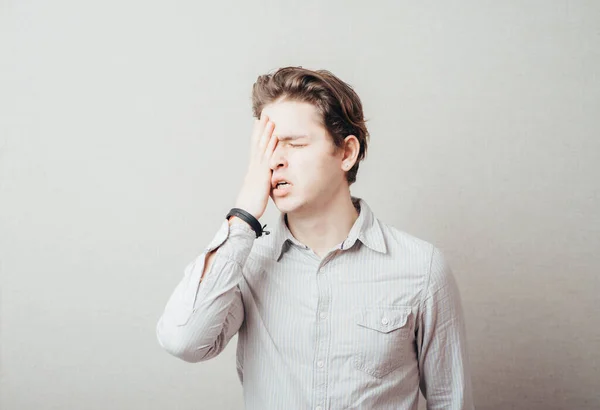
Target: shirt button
(322, 315)
(320, 363)
(385, 321)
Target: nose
(278, 159)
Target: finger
(271, 146)
(266, 135)
(259, 127)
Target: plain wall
(124, 129)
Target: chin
(286, 204)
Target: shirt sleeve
(445, 378)
(201, 317)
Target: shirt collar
(366, 228)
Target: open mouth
(281, 184)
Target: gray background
(124, 134)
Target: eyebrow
(290, 137)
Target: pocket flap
(384, 319)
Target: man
(334, 309)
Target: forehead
(294, 119)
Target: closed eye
(297, 145)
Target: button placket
(322, 336)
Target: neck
(326, 226)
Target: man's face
(304, 157)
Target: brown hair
(337, 103)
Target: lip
(277, 180)
(281, 191)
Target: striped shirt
(364, 327)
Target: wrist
(234, 220)
(249, 209)
(248, 218)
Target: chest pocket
(383, 338)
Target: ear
(351, 150)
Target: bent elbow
(181, 345)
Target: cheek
(315, 167)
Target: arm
(445, 378)
(206, 310)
